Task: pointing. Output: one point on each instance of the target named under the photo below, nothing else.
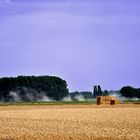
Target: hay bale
(107, 100)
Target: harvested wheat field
(70, 122)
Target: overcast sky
(85, 42)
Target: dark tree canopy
(130, 92)
(33, 87)
(97, 91)
(105, 93)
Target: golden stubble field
(70, 122)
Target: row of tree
(97, 91)
(127, 91)
(32, 88)
(130, 92)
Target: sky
(85, 42)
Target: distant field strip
(69, 122)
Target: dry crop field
(70, 122)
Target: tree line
(34, 88)
(97, 91)
(31, 88)
(130, 92)
(126, 91)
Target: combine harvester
(109, 100)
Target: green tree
(128, 91)
(97, 91)
(31, 87)
(105, 93)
